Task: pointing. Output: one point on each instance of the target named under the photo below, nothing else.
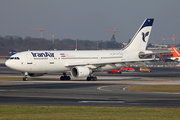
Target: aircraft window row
(110, 57)
(81, 58)
(16, 58)
(40, 58)
(56, 58)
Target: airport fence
(3, 59)
(159, 64)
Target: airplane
(176, 54)
(82, 63)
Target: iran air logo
(144, 36)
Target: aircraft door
(29, 59)
(51, 60)
(29, 62)
(51, 65)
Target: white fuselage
(57, 61)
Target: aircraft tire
(94, 78)
(65, 78)
(91, 78)
(88, 79)
(68, 78)
(25, 78)
(62, 78)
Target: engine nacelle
(80, 71)
(35, 74)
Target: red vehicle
(127, 69)
(114, 72)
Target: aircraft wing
(106, 62)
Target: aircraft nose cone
(9, 64)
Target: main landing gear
(65, 77)
(91, 78)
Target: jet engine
(35, 74)
(80, 71)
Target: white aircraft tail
(140, 39)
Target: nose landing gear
(25, 78)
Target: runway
(109, 90)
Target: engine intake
(80, 71)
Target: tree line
(16, 43)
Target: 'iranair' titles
(45, 54)
(117, 53)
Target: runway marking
(166, 92)
(101, 101)
(153, 92)
(8, 90)
(125, 88)
(101, 88)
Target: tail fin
(140, 39)
(13, 52)
(175, 52)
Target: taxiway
(109, 90)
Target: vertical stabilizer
(175, 52)
(140, 39)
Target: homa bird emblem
(144, 35)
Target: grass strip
(155, 88)
(16, 112)
(30, 78)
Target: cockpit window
(16, 58)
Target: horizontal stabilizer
(143, 54)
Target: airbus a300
(82, 63)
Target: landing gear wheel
(62, 78)
(65, 77)
(25, 78)
(91, 78)
(68, 78)
(94, 78)
(88, 78)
